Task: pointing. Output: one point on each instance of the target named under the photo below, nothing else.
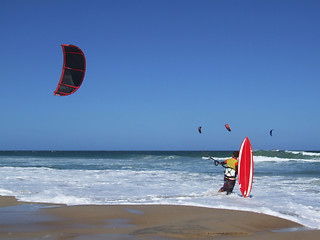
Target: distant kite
(227, 127)
(271, 132)
(199, 129)
(74, 67)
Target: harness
(230, 171)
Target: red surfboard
(245, 167)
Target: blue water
(286, 183)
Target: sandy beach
(20, 220)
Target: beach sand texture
(20, 220)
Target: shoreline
(24, 220)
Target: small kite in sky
(227, 127)
(271, 132)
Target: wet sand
(19, 220)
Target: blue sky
(156, 70)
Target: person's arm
(223, 163)
(236, 169)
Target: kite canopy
(74, 67)
(271, 132)
(227, 127)
(199, 129)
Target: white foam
(273, 159)
(4, 192)
(310, 154)
(277, 159)
(303, 153)
(75, 187)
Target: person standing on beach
(230, 174)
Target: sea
(286, 184)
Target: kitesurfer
(230, 174)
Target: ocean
(285, 183)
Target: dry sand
(19, 220)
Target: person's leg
(230, 186)
(225, 185)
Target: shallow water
(286, 183)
